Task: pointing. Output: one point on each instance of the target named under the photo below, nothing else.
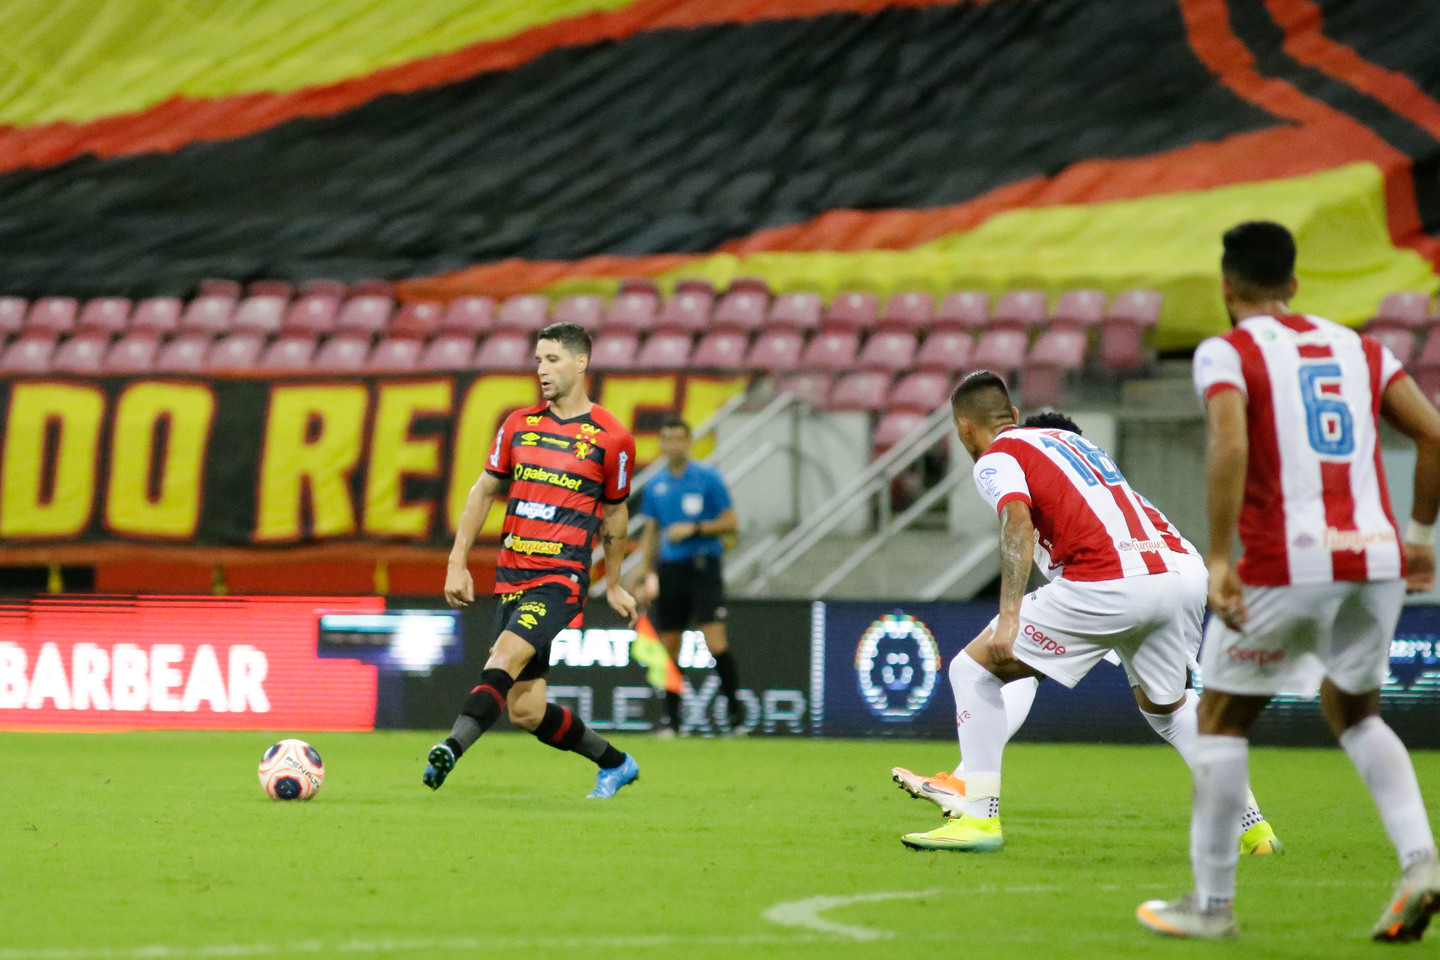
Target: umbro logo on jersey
(529, 439)
(531, 510)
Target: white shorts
(1297, 634)
(1152, 622)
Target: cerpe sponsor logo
(1045, 643)
(541, 475)
(546, 548)
(531, 510)
(896, 664)
(1261, 658)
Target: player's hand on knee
(1001, 642)
(1419, 568)
(622, 603)
(459, 587)
(1227, 594)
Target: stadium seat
(506, 351)
(270, 288)
(664, 351)
(945, 351)
(908, 312)
(372, 287)
(342, 353)
(449, 351)
(860, 391)
(185, 354)
(755, 285)
(208, 313)
(721, 351)
(852, 311)
(157, 315)
(219, 287)
(27, 355)
(324, 287)
(920, 393)
(472, 316)
(312, 315)
(237, 351)
(585, 309)
(1000, 349)
(417, 320)
(81, 354)
(51, 317)
(639, 285)
(894, 427)
(131, 354)
(287, 355)
(831, 350)
(107, 315)
(966, 311)
(1019, 310)
(1399, 319)
(1426, 367)
(891, 350)
(262, 314)
(394, 356)
(526, 313)
(740, 311)
(12, 315)
(795, 311)
(1122, 332)
(812, 388)
(368, 314)
(687, 312)
(1078, 310)
(1058, 352)
(630, 312)
(614, 351)
(775, 351)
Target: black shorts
(692, 593)
(535, 616)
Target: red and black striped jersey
(562, 473)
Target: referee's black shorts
(692, 593)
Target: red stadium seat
(262, 314)
(208, 313)
(394, 356)
(893, 351)
(640, 285)
(775, 351)
(630, 312)
(614, 351)
(1399, 319)
(473, 316)
(754, 285)
(908, 312)
(795, 311)
(860, 391)
(894, 427)
(27, 355)
(12, 315)
(368, 313)
(696, 285)
(1000, 349)
(449, 351)
(1400, 341)
(1122, 333)
(1019, 310)
(323, 287)
(831, 350)
(132, 354)
(1426, 367)
(238, 351)
(287, 355)
(665, 351)
(853, 311)
(157, 315)
(372, 287)
(313, 315)
(1079, 310)
(343, 353)
(721, 351)
(51, 317)
(687, 312)
(185, 354)
(964, 310)
(1059, 352)
(945, 351)
(417, 320)
(920, 392)
(526, 313)
(812, 388)
(108, 315)
(270, 288)
(741, 311)
(506, 351)
(219, 287)
(585, 309)
(81, 354)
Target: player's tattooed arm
(1017, 551)
(459, 585)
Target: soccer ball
(291, 770)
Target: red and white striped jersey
(1316, 506)
(1089, 523)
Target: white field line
(806, 913)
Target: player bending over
(1121, 578)
(1292, 408)
(569, 463)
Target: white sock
(980, 722)
(1221, 784)
(1181, 729)
(1385, 767)
(1019, 697)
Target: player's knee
(1159, 709)
(716, 641)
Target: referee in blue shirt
(687, 509)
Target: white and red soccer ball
(291, 770)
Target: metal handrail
(962, 565)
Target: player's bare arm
(613, 535)
(644, 584)
(1226, 459)
(1408, 410)
(1017, 551)
(727, 522)
(459, 585)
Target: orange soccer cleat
(945, 790)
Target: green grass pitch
(161, 846)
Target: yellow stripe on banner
(1169, 242)
(78, 60)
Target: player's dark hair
(982, 391)
(1259, 258)
(675, 422)
(1051, 420)
(571, 336)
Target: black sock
(729, 676)
(481, 709)
(563, 730)
(673, 707)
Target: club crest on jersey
(582, 450)
(533, 419)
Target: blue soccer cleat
(441, 762)
(609, 782)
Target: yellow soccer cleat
(1260, 841)
(965, 835)
(944, 790)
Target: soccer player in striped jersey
(569, 463)
(1293, 405)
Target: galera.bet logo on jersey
(897, 663)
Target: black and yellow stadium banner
(276, 463)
